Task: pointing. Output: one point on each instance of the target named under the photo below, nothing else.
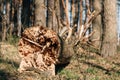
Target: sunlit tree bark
(97, 23)
(50, 13)
(109, 44)
(19, 12)
(40, 18)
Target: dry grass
(83, 66)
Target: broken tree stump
(42, 49)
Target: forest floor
(83, 66)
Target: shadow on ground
(8, 70)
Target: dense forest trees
(16, 15)
(50, 32)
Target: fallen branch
(32, 42)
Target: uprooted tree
(41, 48)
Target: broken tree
(41, 48)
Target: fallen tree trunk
(42, 49)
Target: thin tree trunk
(81, 11)
(4, 28)
(4, 22)
(11, 19)
(80, 16)
(8, 13)
(19, 17)
(75, 11)
(32, 14)
(109, 46)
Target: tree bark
(75, 11)
(19, 12)
(26, 12)
(57, 23)
(50, 12)
(97, 23)
(40, 18)
(4, 28)
(4, 22)
(109, 43)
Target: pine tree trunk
(4, 23)
(40, 18)
(97, 23)
(56, 25)
(11, 19)
(50, 16)
(19, 17)
(109, 46)
(4, 28)
(26, 11)
(75, 12)
(8, 13)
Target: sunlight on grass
(95, 78)
(91, 70)
(70, 75)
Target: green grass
(13, 40)
(70, 75)
(95, 78)
(83, 66)
(91, 70)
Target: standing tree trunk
(75, 12)
(26, 11)
(4, 22)
(11, 18)
(97, 23)
(57, 16)
(40, 18)
(4, 28)
(19, 17)
(109, 46)
(50, 12)
(8, 13)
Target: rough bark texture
(4, 24)
(97, 23)
(19, 12)
(57, 16)
(40, 13)
(109, 46)
(50, 14)
(4, 28)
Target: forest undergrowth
(84, 65)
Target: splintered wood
(39, 48)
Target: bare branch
(32, 42)
(67, 21)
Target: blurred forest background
(16, 15)
(103, 32)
